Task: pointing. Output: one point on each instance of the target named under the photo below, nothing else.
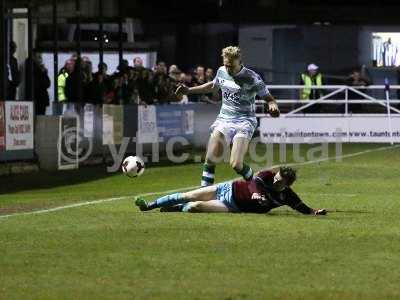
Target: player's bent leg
(211, 206)
(239, 149)
(201, 194)
(214, 154)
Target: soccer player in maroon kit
(266, 191)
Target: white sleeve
(215, 80)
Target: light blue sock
(168, 200)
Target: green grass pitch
(110, 250)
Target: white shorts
(235, 128)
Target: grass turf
(112, 251)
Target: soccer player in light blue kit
(236, 121)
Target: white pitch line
(186, 188)
(337, 157)
(94, 202)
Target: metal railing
(334, 90)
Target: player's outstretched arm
(296, 203)
(304, 209)
(201, 89)
(272, 106)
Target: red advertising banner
(2, 127)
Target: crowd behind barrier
(77, 83)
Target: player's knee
(236, 164)
(214, 156)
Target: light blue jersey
(238, 93)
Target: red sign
(2, 127)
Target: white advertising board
(363, 129)
(19, 125)
(147, 124)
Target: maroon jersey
(262, 184)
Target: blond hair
(231, 52)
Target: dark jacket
(15, 79)
(41, 82)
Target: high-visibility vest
(305, 95)
(61, 82)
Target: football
(133, 166)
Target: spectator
(98, 87)
(61, 83)
(145, 87)
(128, 89)
(161, 69)
(357, 78)
(14, 76)
(190, 82)
(100, 84)
(78, 83)
(174, 73)
(102, 68)
(161, 83)
(308, 79)
(174, 79)
(41, 82)
(113, 94)
(133, 85)
(123, 67)
(172, 68)
(209, 76)
(137, 62)
(199, 75)
(87, 71)
(182, 78)
(162, 89)
(311, 77)
(211, 97)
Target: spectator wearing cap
(312, 77)
(308, 79)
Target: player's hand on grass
(273, 109)
(320, 212)
(182, 90)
